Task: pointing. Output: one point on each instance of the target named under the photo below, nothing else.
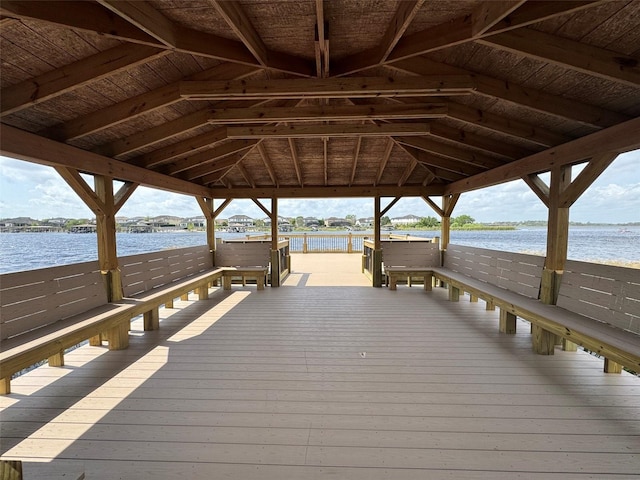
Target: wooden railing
(254, 251)
(369, 248)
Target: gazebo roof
(257, 98)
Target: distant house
(337, 222)
(365, 222)
(311, 222)
(241, 220)
(406, 220)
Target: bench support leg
(428, 283)
(226, 282)
(569, 346)
(507, 322)
(96, 341)
(119, 336)
(260, 282)
(151, 319)
(473, 298)
(168, 304)
(5, 385)
(57, 360)
(184, 297)
(612, 367)
(490, 307)
(454, 293)
(203, 292)
(544, 342)
(393, 282)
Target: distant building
(337, 222)
(365, 222)
(311, 222)
(406, 220)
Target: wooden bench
(408, 259)
(244, 259)
(598, 306)
(45, 311)
(158, 278)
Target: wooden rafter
(247, 176)
(205, 169)
(356, 87)
(145, 17)
(328, 113)
(585, 178)
(411, 166)
(322, 42)
(295, 160)
(531, 98)
(73, 76)
(383, 161)
(570, 54)
(333, 130)
(617, 139)
(403, 17)
(82, 189)
(356, 154)
(208, 156)
(27, 146)
(537, 186)
(489, 13)
(267, 163)
(235, 17)
(325, 159)
(445, 168)
(450, 151)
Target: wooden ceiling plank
(411, 166)
(401, 20)
(333, 130)
(235, 17)
(356, 87)
(329, 113)
(190, 145)
(267, 163)
(585, 178)
(384, 160)
(530, 98)
(27, 146)
(617, 139)
(80, 15)
(570, 54)
(296, 161)
(488, 14)
(145, 17)
(243, 171)
(78, 74)
(329, 192)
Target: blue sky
(38, 192)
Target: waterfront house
(269, 100)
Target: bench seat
(257, 273)
(394, 273)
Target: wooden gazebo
(325, 98)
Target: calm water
(27, 251)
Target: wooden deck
(327, 377)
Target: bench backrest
(143, 273)
(602, 292)
(33, 299)
(249, 253)
(516, 272)
(408, 253)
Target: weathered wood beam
(140, 104)
(538, 187)
(328, 113)
(319, 131)
(411, 166)
(82, 189)
(267, 163)
(321, 42)
(325, 158)
(295, 160)
(389, 206)
(444, 168)
(261, 206)
(206, 205)
(617, 139)
(356, 154)
(27, 146)
(235, 17)
(490, 13)
(123, 194)
(224, 205)
(327, 192)
(401, 20)
(80, 15)
(570, 54)
(530, 98)
(383, 161)
(206, 169)
(191, 145)
(207, 156)
(351, 87)
(434, 206)
(145, 17)
(450, 151)
(247, 176)
(585, 178)
(70, 77)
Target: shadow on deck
(333, 380)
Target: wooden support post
(11, 469)
(473, 298)
(275, 253)
(377, 245)
(106, 230)
(168, 304)
(490, 307)
(151, 319)
(569, 346)
(184, 297)
(96, 341)
(454, 293)
(57, 360)
(544, 342)
(203, 292)
(5, 385)
(507, 322)
(612, 367)
(119, 336)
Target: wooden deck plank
(272, 384)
